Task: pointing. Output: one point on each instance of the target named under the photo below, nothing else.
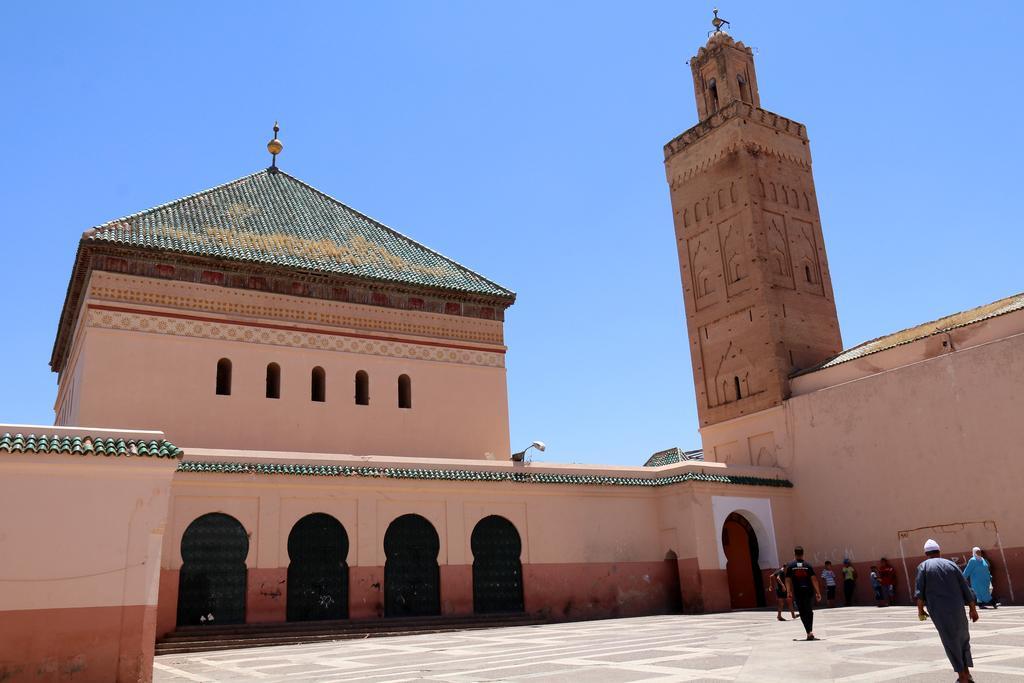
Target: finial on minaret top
(718, 22)
(274, 147)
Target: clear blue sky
(524, 140)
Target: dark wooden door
(318, 572)
(211, 584)
(411, 576)
(497, 569)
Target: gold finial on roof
(274, 146)
(718, 22)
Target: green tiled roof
(87, 445)
(672, 456)
(471, 475)
(272, 218)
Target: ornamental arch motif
(317, 571)
(412, 583)
(497, 569)
(212, 581)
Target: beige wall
(152, 364)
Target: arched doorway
(741, 551)
(411, 576)
(211, 585)
(673, 587)
(317, 573)
(497, 570)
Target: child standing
(876, 585)
(829, 577)
(849, 581)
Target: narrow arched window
(362, 388)
(807, 273)
(744, 90)
(318, 385)
(224, 377)
(713, 91)
(736, 382)
(404, 391)
(273, 380)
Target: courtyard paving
(860, 644)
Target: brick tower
(759, 303)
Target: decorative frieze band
(223, 330)
(319, 316)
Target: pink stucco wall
(923, 438)
(143, 355)
(935, 442)
(79, 569)
(587, 551)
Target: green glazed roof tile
(272, 218)
(473, 475)
(87, 445)
(672, 456)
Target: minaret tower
(759, 303)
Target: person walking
(802, 584)
(979, 574)
(942, 589)
(849, 582)
(781, 596)
(887, 576)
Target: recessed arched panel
(273, 380)
(497, 570)
(318, 385)
(211, 584)
(404, 391)
(317, 572)
(412, 585)
(224, 377)
(362, 388)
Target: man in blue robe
(977, 572)
(942, 588)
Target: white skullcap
(931, 545)
(975, 550)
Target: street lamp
(518, 457)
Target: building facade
(331, 438)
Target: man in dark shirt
(802, 584)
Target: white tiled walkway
(860, 644)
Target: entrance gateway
(746, 586)
(211, 587)
(318, 573)
(412, 583)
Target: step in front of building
(232, 636)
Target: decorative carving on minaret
(778, 249)
(702, 267)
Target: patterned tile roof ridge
(323, 241)
(55, 443)
(451, 474)
(921, 331)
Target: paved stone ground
(860, 644)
